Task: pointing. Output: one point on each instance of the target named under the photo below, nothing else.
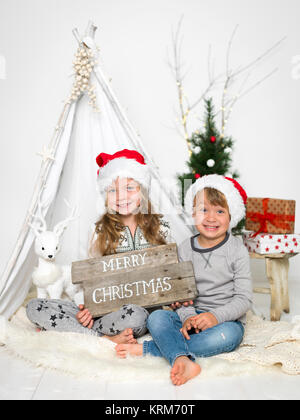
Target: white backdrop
(37, 47)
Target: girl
(126, 224)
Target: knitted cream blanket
(270, 343)
(267, 346)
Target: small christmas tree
(210, 154)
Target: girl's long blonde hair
(109, 229)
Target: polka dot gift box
(272, 244)
(270, 215)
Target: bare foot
(125, 337)
(184, 370)
(133, 349)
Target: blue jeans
(168, 341)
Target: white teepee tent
(68, 170)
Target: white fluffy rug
(267, 347)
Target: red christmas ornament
(213, 139)
(197, 176)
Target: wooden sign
(94, 268)
(153, 282)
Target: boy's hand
(177, 305)
(187, 326)
(203, 321)
(84, 317)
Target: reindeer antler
(61, 226)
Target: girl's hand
(84, 317)
(203, 321)
(177, 305)
(187, 326)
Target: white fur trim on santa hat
(122, 168)
(234, 199)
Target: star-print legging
(60, 315)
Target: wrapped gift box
(272, 244)
(270, 215)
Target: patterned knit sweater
(131, 243)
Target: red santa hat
(123, 164)
(234, 193)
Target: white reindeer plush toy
(52, 280)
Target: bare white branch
(229, 79)
(260, 58)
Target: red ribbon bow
(278, 220)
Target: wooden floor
(19, 380)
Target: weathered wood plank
(147, 287)
(85, 270)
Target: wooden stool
(277, 269)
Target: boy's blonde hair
(215, 197)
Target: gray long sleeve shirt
(223, 279)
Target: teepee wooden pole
(124, 121)
(133, 135)
(53, 146)
(40, 184)
(131, 132)
(41, 181)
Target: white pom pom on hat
(234, 193)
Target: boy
(215, 323)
